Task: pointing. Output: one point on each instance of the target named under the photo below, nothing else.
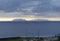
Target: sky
(30, 9)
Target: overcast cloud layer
(18, 8)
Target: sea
(29, 28)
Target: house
(50, 38)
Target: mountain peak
(19, 20)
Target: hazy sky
(27, 9)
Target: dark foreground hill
(11, 39)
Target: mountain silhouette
(19, 20)
(30, 20)
(40, 20)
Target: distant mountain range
(40, 20)
(30, 20)
(19, 20)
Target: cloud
(24, 8)
(55, 2)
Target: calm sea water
(26, 28)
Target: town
(52, 38)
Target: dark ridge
(10, 38)
(16, 38)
